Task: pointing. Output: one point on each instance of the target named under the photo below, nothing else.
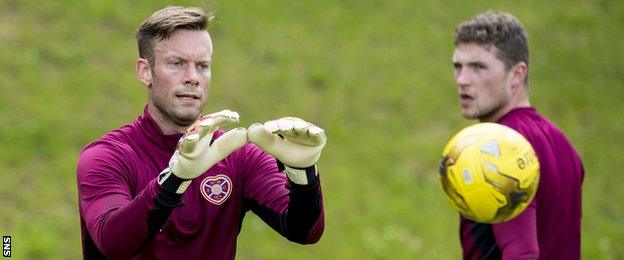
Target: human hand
(196, 154)
(292, 141)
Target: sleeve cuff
(172, 183)
(171, 189)
(306, 177)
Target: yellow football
(489, 172)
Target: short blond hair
(161, 24)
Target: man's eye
(175, 63)
(204, 66)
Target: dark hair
(498, 29)
(163, 23)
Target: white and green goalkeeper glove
(196, 154)
(295, 143)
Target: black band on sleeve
(168, 199)
(304, 209)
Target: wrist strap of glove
(171, 182)
(300, 176)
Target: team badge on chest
(216, 189)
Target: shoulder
(547, 139)
(120, 139)
(110, 153)
(114, 142)
(527, 121)
(531, 124)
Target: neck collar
(155, 134)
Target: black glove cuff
(171, 182)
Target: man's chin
(186, 118)
(470, 115)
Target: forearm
(296, 146)
(123, 229)
(298, 216)
(304, 220)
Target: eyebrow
(179, 57)
(472, 63)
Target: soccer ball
(489, 172)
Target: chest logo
(216, 189)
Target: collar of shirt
(530, 110)
(155, 135)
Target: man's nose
(191, 76)
(462, 78)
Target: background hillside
(375, 74)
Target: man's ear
(144, 71)
(520, 71)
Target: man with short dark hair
(171, 185)
(491, 61)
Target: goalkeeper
(172, 184)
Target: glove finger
(225, 118)
(271, 126)
(286, 127)
(205, 126)
(224, 112)
(227, 143)
(307, 133)
(261, 136)
(300, 128)
(317, 135)
(188, 143)
(214, 121)
(286, 124)
(300, 125)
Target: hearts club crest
(216, 189)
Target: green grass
(375, 74)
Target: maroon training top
(125, 213)
(550, 228)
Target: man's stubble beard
(181, 118)
(482, 113)
(169, 111)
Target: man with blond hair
(171, 184)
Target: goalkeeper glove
(294, 142)
(196, 154)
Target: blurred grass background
(375, 74)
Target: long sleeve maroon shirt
(123, 216)
(550, 227)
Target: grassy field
(375, 74)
